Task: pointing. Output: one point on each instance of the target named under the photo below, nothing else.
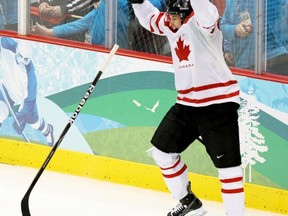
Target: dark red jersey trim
(158, 21)
(205, 87)
(151, 28)
(204, 100)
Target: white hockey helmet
(24, 52)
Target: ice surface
(60, 194)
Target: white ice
(57, 194)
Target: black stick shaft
(25, 200)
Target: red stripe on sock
(177, 173)
(176, 164)
(232, 191)
(231, 180)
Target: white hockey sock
(232, 190)
(40, 125)
(174, 172)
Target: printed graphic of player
(19, 87)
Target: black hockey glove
(136, 1)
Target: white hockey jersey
(201, 75)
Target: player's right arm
(149, 16)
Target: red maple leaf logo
(182, 51)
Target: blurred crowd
(84, 21)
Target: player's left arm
(206, 14)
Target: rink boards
(131, 173)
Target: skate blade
(199, 212)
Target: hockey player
(207, 102)
(19, 87)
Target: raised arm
(205, 12)
(148, 15)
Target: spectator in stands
(284, 16)
(52, 13)
(93, 22)
(238, 25)
(277, 13)
(62, 8)
(8, 15)
(228, 55)
(281, 24)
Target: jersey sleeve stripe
(158, 21)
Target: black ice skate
(190, 205)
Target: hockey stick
(25, 200)
(11, 111)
